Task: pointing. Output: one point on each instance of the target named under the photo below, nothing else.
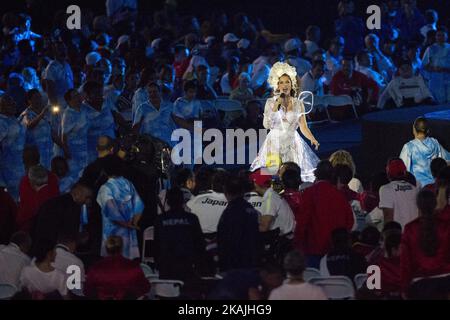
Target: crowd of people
(85, 115)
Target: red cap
(261, 178)
(396, 168)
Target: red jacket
(31, 200)
(293, 198)
(8, 212)
(116, 278)
(414, 262)
(323, 208)
(341, 85)
(390, 275)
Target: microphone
(282, 96)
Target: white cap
(243, 44)
(155, 43)
(230, 37)
(92, 58)
(291, 44)
(122, 39)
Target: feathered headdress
(279, 69)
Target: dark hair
(203, 179)
(361, 54)
(181, 176)
(91, 86)
(31, 93)
(64, 238)
(426, 202)
(290, 179)
(68, 94)
(371, 236)
(324, 171)
(409, 177)
(421, 126)
(392, 225)
(294, 263)
(218, 178)
(436, 166)
(190, 84)
(233, 186)
(340, 238)
(442, 29)
(31, 156)
(21, 238)
(58, 159)
(113, 165)
(378, 180)
(152, 83)
(444, 180)
(343, 173)
(43, 247)
(392, 241)
(318, 63)
(175, 198)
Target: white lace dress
(284, 141)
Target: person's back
(13, 258)
(8, 212)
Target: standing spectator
(323, 209)
(436, 166)
(237, 232)
(74, 131)
(295, 287)
(349, 27)
(15, 89)
(65, 255)
(60, 168)
(184, 179)
(417, 154)
(431, 19)
(14, 257)
(291, 182)
(58, 75)
(179, 242)
(12, 140)
(115, 277)
(121, 208)
(409, 20)
(333, 58)
(397, 198)
(41, 279)
(436, 61)
(425, 251)
(124, 100)
(312, 40)
(383, 64)
(292, 48)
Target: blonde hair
(343, 157)
(114, 245)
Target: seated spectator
(14, 257)
(8, 213)
(417, 153)
(369, 241)
(208, 206)
(425, 250)
(181, 61)
(250, 193)
(204, 91)
(188, 108)
(60, 168)
(253, 118)
(342, 260)
(413, 54)
(65, 255)
(431, 19)
(179, 242)
(230, 79)
(295, 288)
(41, 279)
(275, 212)
(397, 198)
(313, 81)
(293, 51)
(364, 64)
(184, 179)
(436, 166)
(333, 58)
(237, 231)
(243, 92)
(382, 63)
(345, 158)
(343, 175)
(116, 277)
(347, 81)
(312, 40)
(406, 90)
(35, 189)
(313, 232)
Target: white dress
(284, 141)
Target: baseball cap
(230, 37)
(396, 168)
(261, 177)
(291, 44)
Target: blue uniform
(39, 136)
(439, 82)
(12, 141)
(157, 123)
(417, 156)
(74, 125)
(101, 123)
(119, 201)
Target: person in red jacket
(323, 209)
(361, 88)
(116, 277)
(425, 250)
(38, 186)
(389, 264)
(291, 182)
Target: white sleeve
(405, 155)
(268, 114)
(269, 206)
(386, 198)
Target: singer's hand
(277, 104)
(315, 143)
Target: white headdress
(279, 69)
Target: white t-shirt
(45, 282)
(64, 259)
(400, 196)
(274, 205)
(208, 207)
(301, 291)
(12, 261)
(356, 185)
(255, 200)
